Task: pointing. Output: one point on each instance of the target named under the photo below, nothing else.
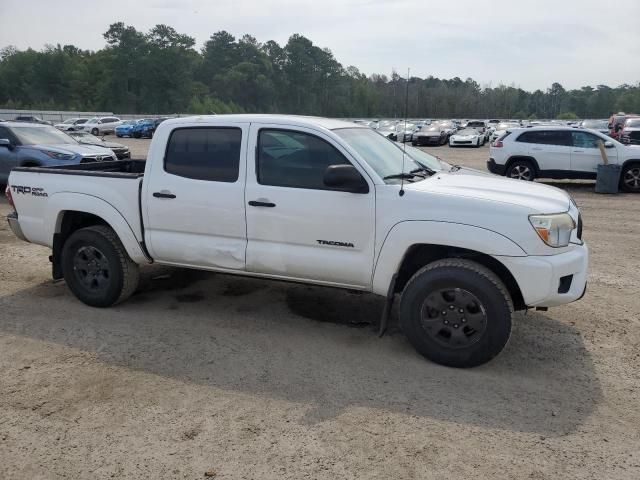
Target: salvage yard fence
(57, 116)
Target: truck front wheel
(97, 268)
(456, 312)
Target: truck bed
(109, 190)
(115, 169)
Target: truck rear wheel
(97, 268)
(456, 312)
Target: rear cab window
(204, 153)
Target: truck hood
(479, 185)
(73, 149)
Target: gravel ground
(202, 374)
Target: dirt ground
(206, 374)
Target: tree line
(161, 72)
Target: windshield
(633, 123)
(424, 158)
(41, 135)
(384, 156)
(434, 128)
(595, 124)
(468, 131)
(69, 121)
(504, 126)
(93, 120)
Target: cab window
(287, 158)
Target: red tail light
(7, 193)
(498, 144)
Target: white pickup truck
(320, 201)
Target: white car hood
(536, 197)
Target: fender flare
(61, 202)
(403, 235)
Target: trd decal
(33, 191)
(337, 244)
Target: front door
(195, 210)
(296, 226)
(585, 154)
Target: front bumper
(493, 167)
(12, 218)
(551, 280)
(427, 140)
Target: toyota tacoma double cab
(320, 201)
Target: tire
(119, 136)
(630, 178)
(521, 170)
(95, 131)
(479, 311)
(111, 276)
(137, 135)
(415, 144)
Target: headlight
(58, 155)
(555, 229)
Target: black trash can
(608, 178)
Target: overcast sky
(528, 43)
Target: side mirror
(345, 178)
(608, 144)
(5, 142)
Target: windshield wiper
(404, 175)
(423, 168)
(455, 168)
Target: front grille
(462, 142)
(634, 135)
(579, 232)
(97, 158)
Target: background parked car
(434, 134)
(101, 125)
(630, 134)
(144, 128)
(616, 123)
(404, 132)
(561, 152)
(85, 138)
(469, 137)
(480, 126)
(601, 126)
(71, 124)
(31, 119)
(125, 128)
(388, 130)
(34, 145)
(501, 128)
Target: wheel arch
(419, 255)
(412, 244)
(527, 158)
(66, 219)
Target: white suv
(561, 152)
(101, 125)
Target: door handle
(578, 151)
(536, 148)
(256, 203)
(163, 194)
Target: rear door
(296, 226)
(550, 148)
(585, 154)
(8, 158)
(194, 197)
